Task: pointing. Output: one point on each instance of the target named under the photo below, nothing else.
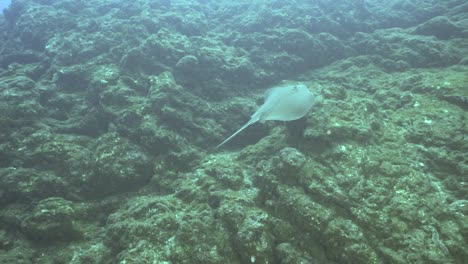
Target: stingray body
(282, 103)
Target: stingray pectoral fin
(251, 121)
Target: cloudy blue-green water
(4, 4)
(354, 150)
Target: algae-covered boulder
(249, 228)
(213, 61)
(21, 184)
(118, 166)
(179, 112)
(291, 160)
(415, 50)
(20, 99)
(222, 169)
(166, 230)
(439, 26)
(19, 255)
(44, 150)
(158, 52)
(51, 221)
(38, 23)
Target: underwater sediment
(110, 112)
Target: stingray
(282, 103)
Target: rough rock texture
(110, 111)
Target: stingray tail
(251, 121)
